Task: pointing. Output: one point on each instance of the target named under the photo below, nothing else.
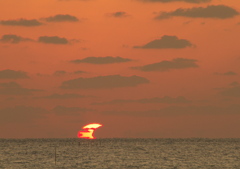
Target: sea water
(119, 153)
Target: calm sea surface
(120, 153)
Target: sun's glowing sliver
(86, 134)
(92, 126)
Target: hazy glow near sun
(88, 131)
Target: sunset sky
(142, 68)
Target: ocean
(120, 153)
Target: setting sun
(88, 131)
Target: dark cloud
(62, 18)
(64, 96)
(232, 91)
(101, 82)
(234, 83)
(63, 72)
(21, 22)
(181, 110)
(166, 1)
(21, 114)
(119, 14)
(102, 60)
(76, 111)
(12, 74)
(78, 72)
(11, 38)
(178, 63)
(52, 40)
(166, 99)
(212, 11)
(13, 88)
(59, 73)
(166, 42)
(230, 73)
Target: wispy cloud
(178, 63)
(79, 72)
(101, 60)
(166, 42)
(233, 91)
(52, 40)
(212, 11)
(13, 88)
(64, 96)
(21, 22)
(181, 110)
(62, 18)
(119, 14)
(229, 73)
(101, 82)
(166, 99)
(235, 83)
(13, 74)
(11, 38)
(59, 73)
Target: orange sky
(187, 91)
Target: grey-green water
(120, 153)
